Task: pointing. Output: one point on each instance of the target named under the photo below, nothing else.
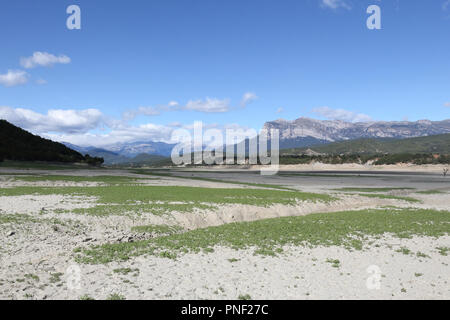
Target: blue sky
(137, 69)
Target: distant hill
(20, 145)
(430, 144)
(133, 149)
(145, 159)
(113, 158)
(122, 153)
(110, 157)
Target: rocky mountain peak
(335, 130)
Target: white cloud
(446, 5)
(69, 121)
(89, 127)
(150, 111)
(41, 82)
(146, 111)
(148, 132)
(175, 124)
(341, 114)
(43, 59)
(145, 132)
(248, 98)
(13, 78)
(118, 135)
(335, 4)
(208, 105)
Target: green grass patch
(349, 229)
(139, 209)
(335, 263)
(125, 271)
(443, 251)
(404, 250)
(431, 192)
(386, 196)
(371, 189)
(157, 229)
(422, 255)
(324, 175)
(32, 277)
(23, 218)
(168, 197)
(16, 218)
(40, 165)
(115, 296)
(56, 277)
(112, 180)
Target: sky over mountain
(137, 70)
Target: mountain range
(436, 144)
(299, 133)
(304, 132)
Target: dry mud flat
(300, 273)
(320, 167)
(45, 270)
(38, 262)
